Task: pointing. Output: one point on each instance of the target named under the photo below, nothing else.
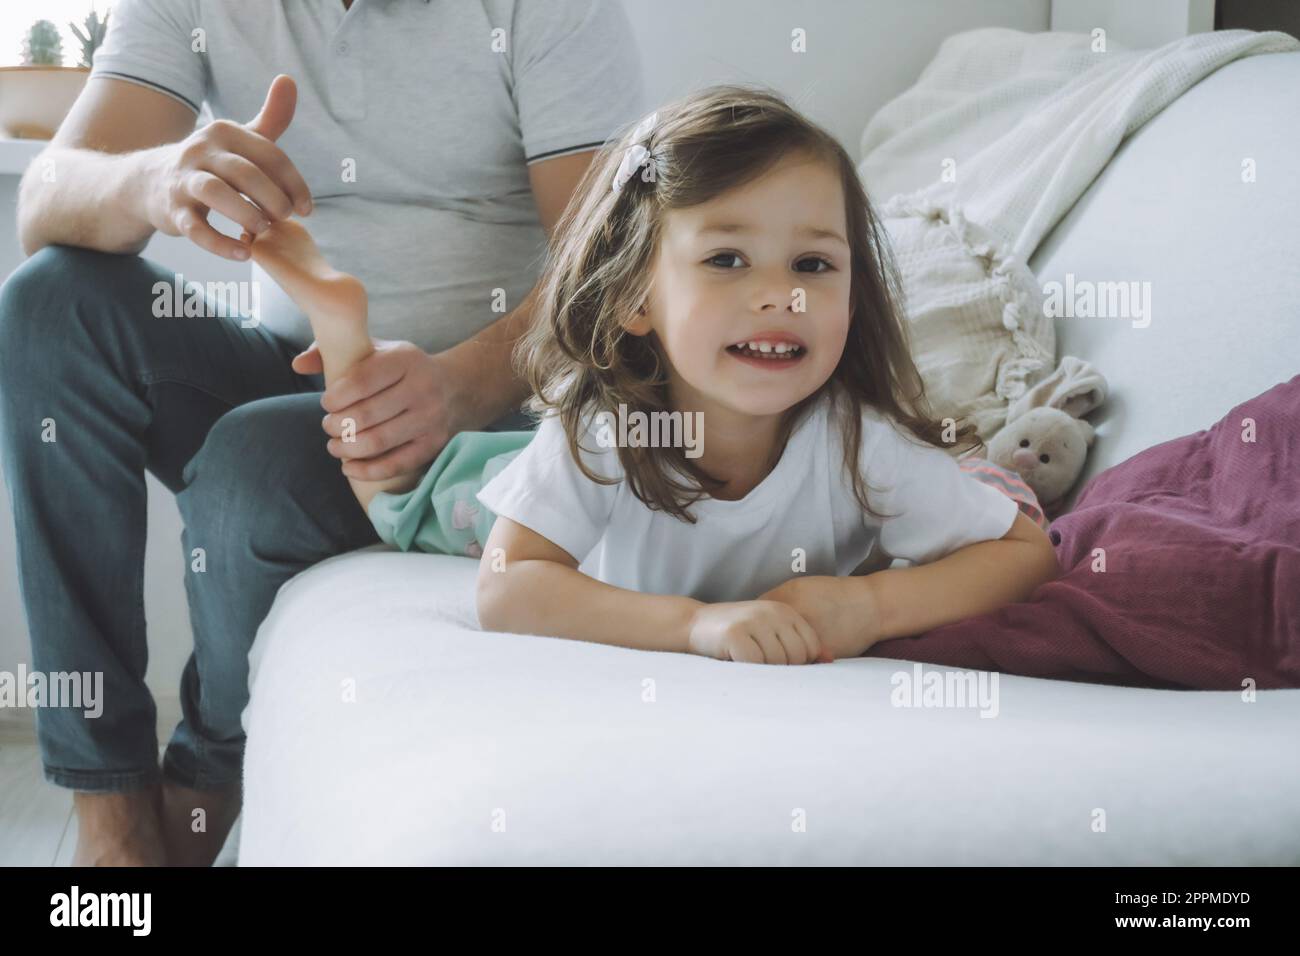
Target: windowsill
(16, 154)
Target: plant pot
(35, 99)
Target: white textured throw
(975, 164)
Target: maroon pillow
(1199, 539)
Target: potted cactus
(35, 97)
(91, 38)
(43, 46)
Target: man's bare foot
(119, 829)
(335, 305)
(195, 823)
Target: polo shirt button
(343, 48)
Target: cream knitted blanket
(977, 162)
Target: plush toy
(1047, 448)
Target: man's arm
(486, 356)
(99, 156)
(122, 170)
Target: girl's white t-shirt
(802, 519)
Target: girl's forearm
(975, 580)
(547, 598)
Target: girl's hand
(843, 611)
(755, 632)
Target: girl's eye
(816, 259)
(731, 255)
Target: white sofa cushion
(454, 731)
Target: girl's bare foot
(334, 302)
(335, 305)
(119, 829)
(195, 839)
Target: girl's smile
(772, 351)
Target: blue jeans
(216, 414)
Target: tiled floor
(35, 817)
(36, 825)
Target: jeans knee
(31, 292)
(251, 458)
(50, 278)
(47, 289)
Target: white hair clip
(634, 156)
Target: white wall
(860, 53)
(1134, 24)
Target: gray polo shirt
(415, 124)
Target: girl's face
(766, 264)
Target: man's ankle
(119, 828)
(196, 823)
(117, 803)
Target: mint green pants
(441, 514)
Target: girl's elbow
(1050, 566)
(489, 599)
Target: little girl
(733, 431)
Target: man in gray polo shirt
(431, 147)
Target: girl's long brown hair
(577, 356)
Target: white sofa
(384, 728)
